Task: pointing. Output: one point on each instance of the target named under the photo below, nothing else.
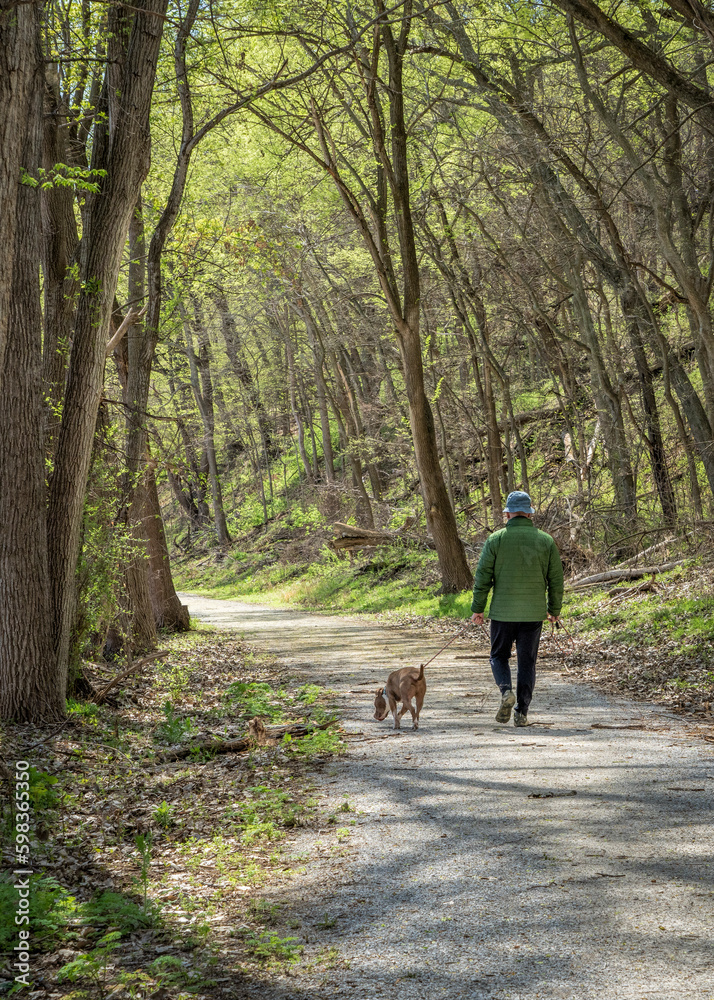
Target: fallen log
(248, 741)
(624, 574)
(528, 416)
(350, 537)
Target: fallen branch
(241, 743)
(618, 594)
(646, 552)
(350, 537)
(552, 795)
(631, 725)
(99, 697)
(624, 574)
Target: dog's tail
(421, 673)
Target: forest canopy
(376, 263)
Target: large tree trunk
(121, 146)
(32, 688)
(455, 574)
(18, 82)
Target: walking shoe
(520, 718)
(507, 703)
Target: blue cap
(518, 502)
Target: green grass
(318, 742)
(269, 947)
(174, 727)
(256, 698)
(266, 814)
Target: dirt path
(455, 882)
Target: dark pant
(526, 636)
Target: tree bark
(653, 437)
(348, 433)
(32, 684)
(296, 415)
(18, 80)
(314, 338)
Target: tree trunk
(197, 485)
(136, 392)
(607, 402)
(185, 499)
(59, 246)
(169, 612)
(297, 416)
(345, 422)
(389, 146)
(32, 685)
(653, 437)
(121, 146)
(200, 368)
(318, 353)
(18, 83)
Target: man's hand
(477, 619)
(553, 618)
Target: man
(522, 565)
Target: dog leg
(415, 716)
(406, 707)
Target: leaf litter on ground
(146, 870)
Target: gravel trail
(472, 869)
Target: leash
(458, 635)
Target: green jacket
(520, 563)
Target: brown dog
(402, 685)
